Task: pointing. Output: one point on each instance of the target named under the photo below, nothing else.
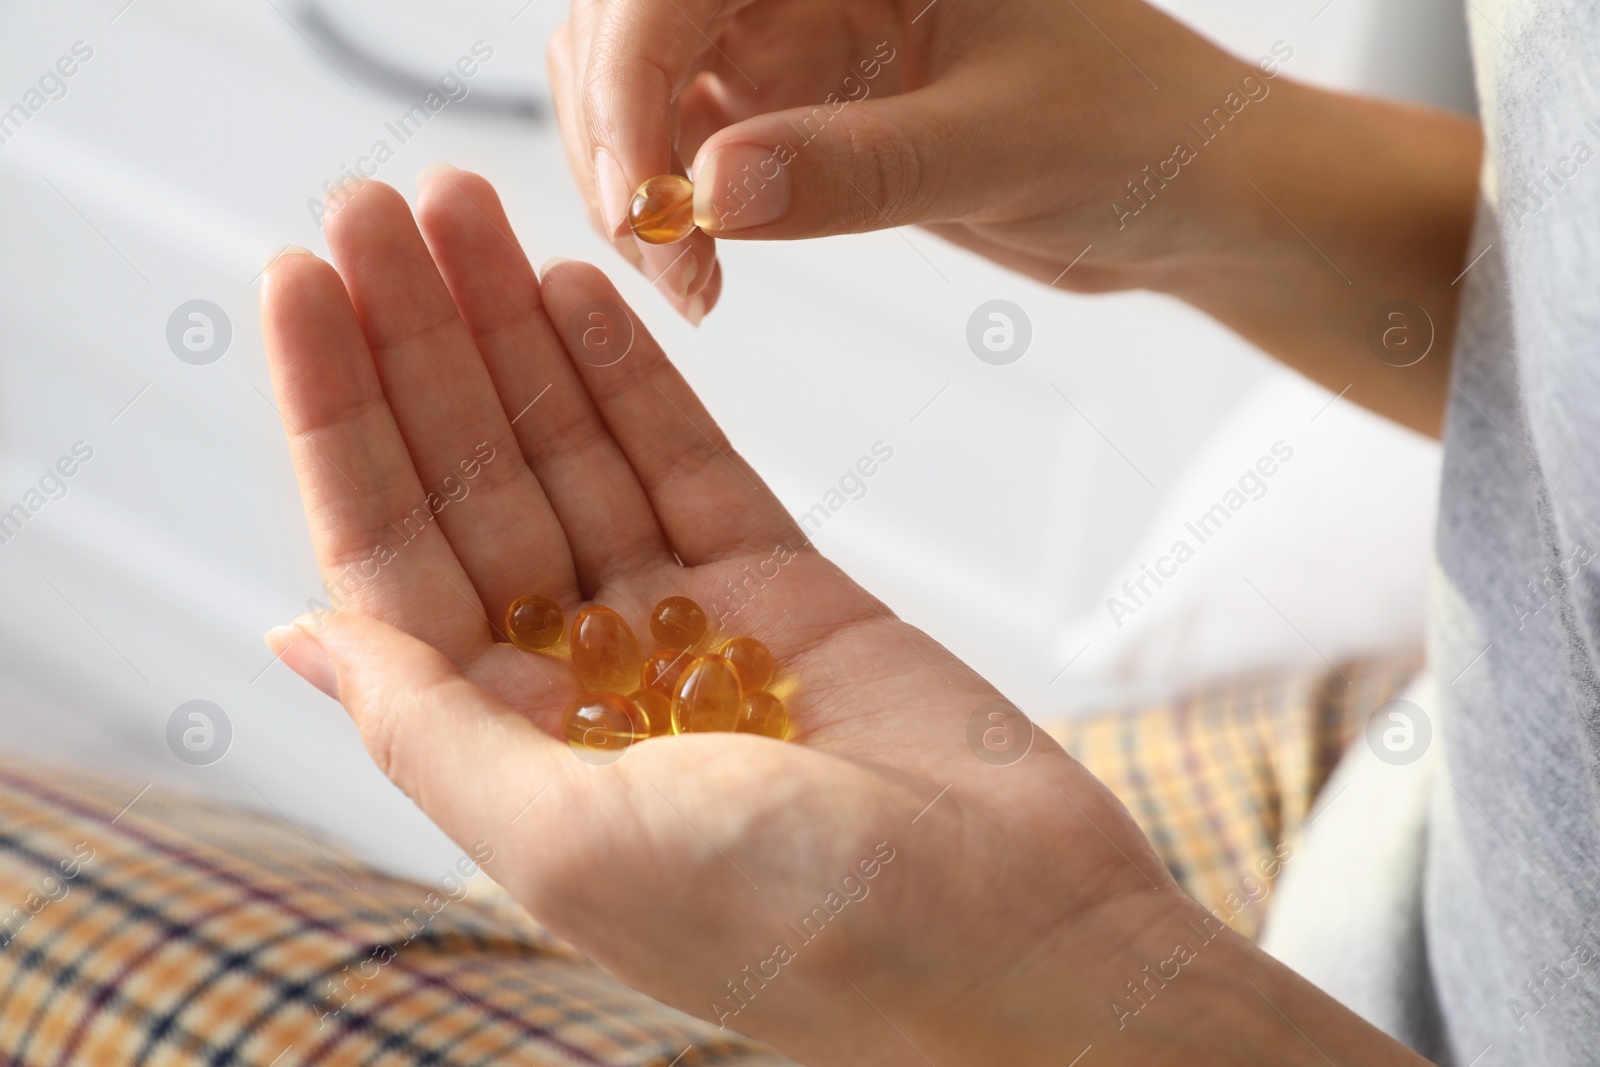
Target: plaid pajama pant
(179, 932)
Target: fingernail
(303, 654)
(695, 310)
(739, 187)
(432, 171)
(683, 276)
(612, 187)
(287, 250)
(551, 263)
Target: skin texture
(1007, 906)
(1012, 127)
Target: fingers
(641, 54)
(567, 98)
(603, 62)
(842, 167)
(559, 62)
(583, 472)
(469, 761)
(682, 272)
(710, 504)
(487, 501)
(377, 545)
(776, 57)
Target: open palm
(463, 437)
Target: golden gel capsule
(764, 714)
(605, 722)
(663, 668)
(657, 709)
(535, 623)
(605, 654)
(678, 622)
(751, 659)
(708, 698)
(662, 209)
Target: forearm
(1323, 213)
(1157, 980)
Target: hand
(1009, 126)
(1044, 135)
(457, 447)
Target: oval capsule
(661, 211)
(751, 659)
(663, 668)
(657, 709)
(605, 654)
(604, 722)
(708, 698)
(678, 622)
(535, 623)
(764, 714)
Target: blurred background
(194, 138)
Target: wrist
(1153, 979)
(1332, 185)
(1320, 215)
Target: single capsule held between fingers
(708, 698)
(535, 623)
(764, 714)
(657, 708)
(605, 654)
(604, 722)
(751, 659)
(663, 668)
(662, 209)
(678, 622)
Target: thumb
(846, 166)
(468, 760)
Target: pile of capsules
(680, 688)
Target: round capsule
(605, 654)
(535, 623)
(708, 698)
(678, 622)
(604, 722)
(662, 209)
(751, 659)
(657, 709)
(764, 714)
(662, 669)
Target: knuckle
(617, 74)
(888, 178)
(898, 172)
(494, 478)
(398, 728)
(381, 733)
(684, 464)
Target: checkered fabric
(142, 928)
(175, 932)
(1223, 780)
